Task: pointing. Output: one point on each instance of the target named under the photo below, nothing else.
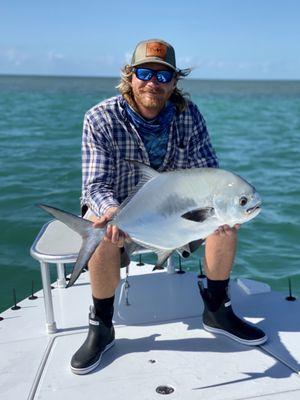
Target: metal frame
(45, 260)
(60, 260)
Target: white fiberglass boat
(161, 348)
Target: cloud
(16, 60)
(53, 56)
(12, 57)
(262, 67)
(54, 61)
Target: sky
(229, 39)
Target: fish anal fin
(162, 256)
(131, 247)
(199, 214)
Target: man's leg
(104, 268)
(220, 249)
(218, 316)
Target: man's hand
(224, 230)
(113, 233)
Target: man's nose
(154, 80)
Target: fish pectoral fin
(199, 214)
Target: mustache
(157, 91)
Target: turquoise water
(255, 128)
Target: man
(153, 123)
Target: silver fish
(170, 209)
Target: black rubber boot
(100, 338)
(224, 321)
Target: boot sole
(83, 371)
(254, 342)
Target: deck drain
(164, 389)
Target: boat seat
(56, 244)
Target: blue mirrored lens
(145, 74)
(164, 76)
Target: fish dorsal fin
(199, 214)
(147, 173)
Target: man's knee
(221, 243)
(105, 256)
(226, 236)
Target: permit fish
(169, 209)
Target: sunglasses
(145, 74)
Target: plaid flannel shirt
(109, 139)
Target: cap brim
(154, 60)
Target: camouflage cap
(154, 51)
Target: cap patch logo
(156, 49)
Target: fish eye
(243, 201)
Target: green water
(255, 128)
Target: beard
(151, 99)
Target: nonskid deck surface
(160, 341)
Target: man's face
(151, 96)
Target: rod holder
(180, 271)
(15, 306)
(290, 297)
(140, 263)
(201, 275)
(32, 297)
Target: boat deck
(160, 342)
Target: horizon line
(118, 77)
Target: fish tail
(91, 237)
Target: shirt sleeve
(201, 152)
(98, 169)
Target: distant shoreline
(2, 75)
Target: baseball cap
(156, 51)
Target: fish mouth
(251, 210)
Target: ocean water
(255, 129)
